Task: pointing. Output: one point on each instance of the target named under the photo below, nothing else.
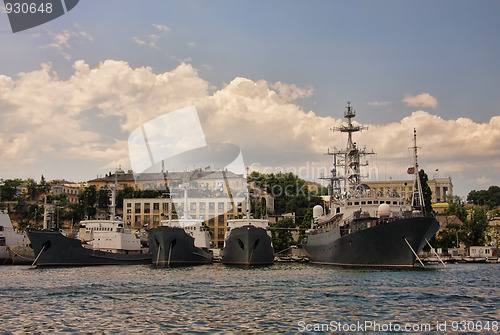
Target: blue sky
(442, 56)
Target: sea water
(282, 298)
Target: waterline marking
(408, 327)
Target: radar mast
(349, 157)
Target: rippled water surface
(286, 297)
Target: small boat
(184, 241)
(247, 241)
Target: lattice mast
(349, 157)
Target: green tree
(281, 234)
(476, 227)
(489, 198)
(458, 210)
(451, 236)
(426, 191)
(103, 198)
(32, 187)
(290, 193)
(88, 200)
(43, 187)
(9, 189)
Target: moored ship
(10, 240)
(101, 242)
(365, 228)
(111, 244)
(184, 241)
(248, 241)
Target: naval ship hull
(248, 245)
(51, 248)
(172, 246)
(382, 245)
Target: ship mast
(417, 197)
(185, 187)
(350, 155)
(112, 198)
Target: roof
(445, 220)
(220, 175)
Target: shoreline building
(442, 188)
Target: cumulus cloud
(44, 116)
(421, 100)
(90, 115)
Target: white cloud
(291, 92)
(46, 118)
(421, 100)
(379, 103)
(139, 41)
(61, 40)
(162, 28)
(151, 40)
(483, 180)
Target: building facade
(145, 213)
(442, 188)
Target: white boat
(10, 239)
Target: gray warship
(185, 241)
(364, 228)
(248, 241)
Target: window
(147, 208)
(137, 208)
(156, 207)
(192, 207)
(220, 233)
(202, 206)
(211, 206)
(220, 207)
